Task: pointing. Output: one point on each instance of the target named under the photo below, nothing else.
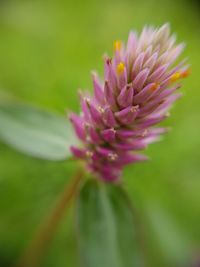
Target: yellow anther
(120, 68)
(175, 76)
(185, 73)
(117, 45)
(154, 87)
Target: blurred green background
(47, 50)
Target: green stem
(45, 232)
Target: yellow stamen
(120, 68)
(117, 45)
(175, 76)
(185, 73)
(154, 87)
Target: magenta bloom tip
(139, 87)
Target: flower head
(140, 84)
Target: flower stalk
(45, 232)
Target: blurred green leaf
(106, 227)
(171, 241)
(35, 132)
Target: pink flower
(140, 85)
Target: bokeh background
(47, 50)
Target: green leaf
(106, 227)
(36, 132)
(172, 242)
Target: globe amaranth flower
(140, 84)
